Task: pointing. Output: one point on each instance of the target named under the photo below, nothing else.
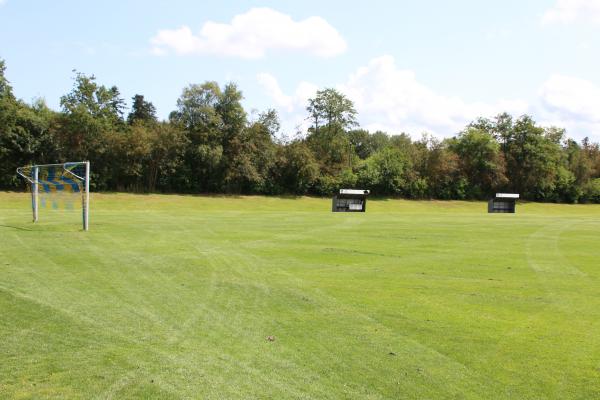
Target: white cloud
(391, 99)
(251, 35)
(304, 91)
(271, 87)
(573, 103)
(570, 11)
(572, 98)
(291, 108)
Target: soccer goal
(52, 183)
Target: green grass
(174, 296)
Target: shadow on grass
(19, 228)
(214, 195)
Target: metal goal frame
(31, 174)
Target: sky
(409, 66)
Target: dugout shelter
(350, 200)
(503, 203)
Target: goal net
(56, 185)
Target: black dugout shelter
(503, 203)
(350, 200)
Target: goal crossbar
(65, 166)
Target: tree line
(210, 144)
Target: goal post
(35, 194)
(72, 177)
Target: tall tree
(240, 172)
(366, 143)
(9, 140)
(141, 111)
(445, 179)
(332, 108)
(91, 114)
(385, 172)
(26, 135)
(481, 161)
(535, 161)
(214, 120)
(332, 114)
(297, 169)
(197, 114)
(251, 157)
(97, 100)
(196, 109)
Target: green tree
(296, 169)
(96, 100)
(197, 114)
(252, 156)
(240, 144)
(443, 172)
(591, 191)
(385, 172)
(333, 150)
(141, 110)
(131, 151)
(332, 114)
(26, 134)
(579, 161)
(537, 166)
(91, 115)
(196, 110)
(9, 141)
(5, 88)
(534, 160)
(331, 108)
(365, 143)
(481, 161)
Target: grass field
(174, 297)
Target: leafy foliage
(141, 110)
(210, 144)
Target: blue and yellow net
(56, 185)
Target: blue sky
(427, 66)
